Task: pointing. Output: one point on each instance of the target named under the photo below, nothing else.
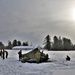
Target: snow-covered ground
(58, 66)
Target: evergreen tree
(55, 43)
(60, 43)
(9, 45)
(25, 44)
(67, 44)
(1, 45)
(47, 43)
(15, 43)
(73, 47)
(19, 43)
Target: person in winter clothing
(3, 54)
(6, 54)
(68, 58)
(20, 54)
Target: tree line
(13, 44)
(59, 43)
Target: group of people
(3, 54)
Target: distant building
(23, 48)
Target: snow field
(58, 66)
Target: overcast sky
(32, 20)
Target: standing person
(0, 52)
(6, 54)
(3, 54)
(20, 54)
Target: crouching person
(67, 58)
(20, 54)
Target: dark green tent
(34, 56)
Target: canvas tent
(34, 56)
(23, 48)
